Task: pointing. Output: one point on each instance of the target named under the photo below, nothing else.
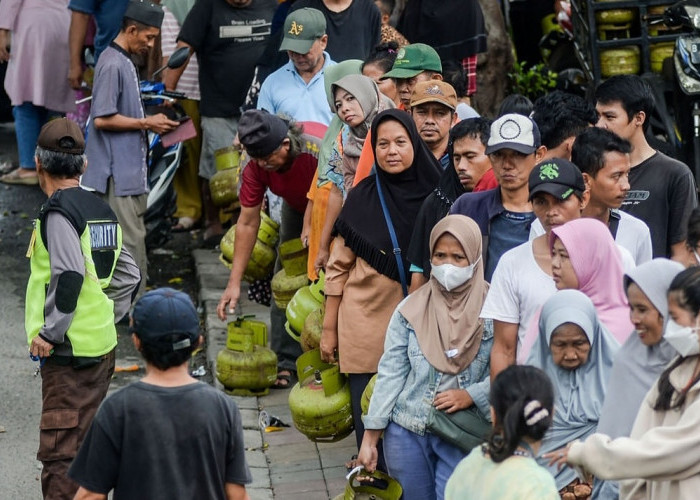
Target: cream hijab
(449, 321)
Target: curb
(284, 465)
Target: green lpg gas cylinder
(244, 368)
(294, 255)
(311, 333)
(384, 487)
(269, 231)
(619, 61)
(367, 394)
(659, 52)
(262, 259)
(320, 401)
(284, 287)
(224, 183)
(259, 328)
(305, 301)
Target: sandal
(285, 379)
(184, 224)
(16, 177)
(212, 237)
(6, 167)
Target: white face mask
(451, 276)
(683, 339)
(697, 257)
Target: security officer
(81, 281)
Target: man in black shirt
(662, 190)
(353, 26)
(228, 36)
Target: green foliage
(533, 82)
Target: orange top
(318, 196)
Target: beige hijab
(449, 321)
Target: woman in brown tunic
(363, 278)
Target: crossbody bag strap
(614, 223)
(394, 241)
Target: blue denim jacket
(406, 384)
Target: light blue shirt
(284, 91)
(404, 391)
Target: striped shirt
(189, 80)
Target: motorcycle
(679, 85)
(163, 161)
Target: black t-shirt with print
(662, 194)
(353, 32)
(228, 42)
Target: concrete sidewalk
(285, 464)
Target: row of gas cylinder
(617, 23)
(320, 401)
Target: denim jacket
(406, 385)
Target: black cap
(162, 312)
(63, 136)
(260, 132)
(145, 12)
(558, 177)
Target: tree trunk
(494, 65)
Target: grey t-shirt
(121, 155)
(149, 443)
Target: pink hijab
(598, 266)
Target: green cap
(414, 59)
(301, 29)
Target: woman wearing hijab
(357, 101)
(661, 458)
(576, 351)
(322, 195)
(363, 279)
(436, 350)
(642, 358)
(586, 247)
(586, 258)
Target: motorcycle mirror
(176, 60)
(684, 13)
(179, 57)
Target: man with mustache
(117, 149)
(433, 105)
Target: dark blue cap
(162, 312)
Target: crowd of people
(522, 278)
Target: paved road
(20, 398)
(285, 465)
(20, 391)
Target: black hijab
(361, 221)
